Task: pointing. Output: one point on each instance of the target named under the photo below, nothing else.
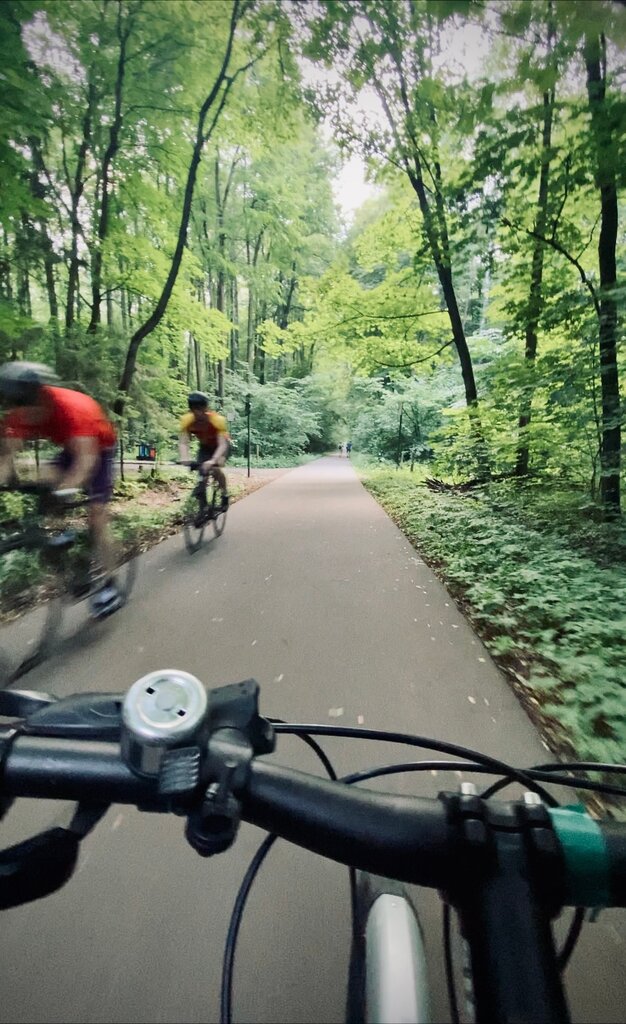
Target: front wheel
(387, 980)
(58, 558)
(194, 519)
(218, 511)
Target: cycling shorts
(100, 486)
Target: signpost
(247, 411)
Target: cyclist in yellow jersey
(211, 430)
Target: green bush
(19, 572)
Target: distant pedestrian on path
(348, 448)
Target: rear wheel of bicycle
(194, 521)
(218, 514)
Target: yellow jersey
(208, 428)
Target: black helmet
(197, 400)
(20, 382)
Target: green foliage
(540, 591)
(283, 417)
(386, 422)
(19, 572)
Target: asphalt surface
(314, 592)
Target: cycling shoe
(106, 601)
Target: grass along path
(533, 573)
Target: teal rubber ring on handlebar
(586, 856)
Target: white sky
(464, 55)
(350, 187)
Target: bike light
(162, 710)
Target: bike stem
(507, 892)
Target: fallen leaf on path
(472, 700)
(278, 679)
(335, 712)
(482, 659)
(360, 720)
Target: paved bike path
(314, 592)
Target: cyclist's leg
(203, 455)
(220, 476)
(220, 480)
(217, 471)
(51, 472)
(100, 490)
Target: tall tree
(606, 163)
(213, 105)
(395, 53)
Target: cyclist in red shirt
(87, 439)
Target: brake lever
(79, 716)
(42, 864)
(22, 703)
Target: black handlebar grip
(401, 837)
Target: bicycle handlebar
(408, 838)
(167, 745)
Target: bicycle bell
(162, 710)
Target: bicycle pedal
(108, 609)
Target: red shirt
(67, 414)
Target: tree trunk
(76, 190)
(234, 316)
(6, 287)
(197, 360)
(23, 247)
(251, 334)
(39, 192)
(110, 152)
(434, 216)
(124, 309)
(535, 295)
(201, 138)
(188, 375)
(221, 201)
(606, 168)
